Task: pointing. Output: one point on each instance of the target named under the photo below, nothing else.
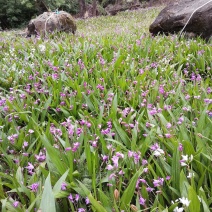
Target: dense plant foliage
(110, 119)
(14, 13)
(17, 13)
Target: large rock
(175, 16)
(49, 22)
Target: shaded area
(175, 16)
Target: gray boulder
(49, 22)
(191, 14)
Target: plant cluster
(111, 119)
(17, 13)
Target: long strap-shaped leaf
(129, 192)
(54, 155)
(48, 200)
(94, 202)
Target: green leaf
(129, 191)
(47, 199)
(94, 202)
(89, 103)
(184, 185)
(54, 155)
(33, 203)
(117, 143)
(204, 200)
(114, 106)
(3, 206)
(45, 107)
(104, 199)
(19, 175)
(124, 138)
(195, 203)
(175, 170)
(57, 186)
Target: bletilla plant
(109, 119)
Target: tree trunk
(41, 6)
(118, 2)
(94, 5)
(82, 7)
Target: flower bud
(133, 208)
(116, 194)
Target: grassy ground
(111, 119)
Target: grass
(111, 119)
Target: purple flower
(79, 131)
(87, 201)
(75, 146)
(154, 146)
(130, 154)
(88, 124)
(22, 96)
(146, 170)
(111, 176)
(121, 172)
(168, 135)
(104, 158)
(132, 125)
(2, 102)
(180, 148)
(70, 197)
(181, 119)
(70, 130)
(167, 107)
(120, 155)
(168, 126)
(137, 183)
(55, 76)
(161, 89)
(30, 167)
(115, 160)
(63, 186)
(149, 189)
(208, 101)
(34, 187)
(94, 143)
(144, 162)
(148, 124)
(100, 87)
(141, 71)
(209, 90)
(81, 210)
(67, 149)
(106, 131)
(30, 131)
(77, 196)
(12, 138)
(41, 157)
(153, 111)
(25, 154)
(82, 122)
(168, 177)
(136, 157)
(109, 167)
(158, 182)
(142, 201)
(15, 204)
(138, 42)
(143, 181)
(25, 144)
